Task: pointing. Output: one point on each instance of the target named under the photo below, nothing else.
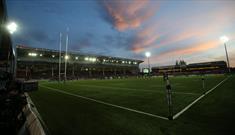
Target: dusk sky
(170, 30)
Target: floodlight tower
(60, 57)
(11, 27)
(66, 57)
(148, 54)
(225, 39)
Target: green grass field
(105, 107)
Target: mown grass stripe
(105, 103)
(131, 89)
(122, 88)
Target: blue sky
(170, 29)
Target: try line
(105, 103)
(195, 101)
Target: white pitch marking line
(195, 101)
(105, 103)
(186, 93)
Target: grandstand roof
(30, 54)
(74, 53)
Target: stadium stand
(214, 67)
(39, 63)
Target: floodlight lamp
(66, 57)
(86, 58)
(147, 54)
(11, 27)
(94, 59)
(224, 39)
(32, 54)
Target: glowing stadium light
(32, 54)
(66, 57)
(224, 39)
(123, 62)
(11, 27)
(147, 54)
(53, 56)
(40, 55)
(129, 62)
(76, 58)
(93, 60)
(90, 59)
(86, 58)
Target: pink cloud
(195, 48)
(181, 30)
(128, 14)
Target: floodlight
(90, 59)
(76, 58)
(66, 57)
(32, 54)
(224, 39)
(147, 54)
(86, 58)
(40, 55)
(53, 56)
(11, 27)
(93, 59)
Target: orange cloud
(128, 14)
(184, 29)
(149, 40)
(196, 48)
